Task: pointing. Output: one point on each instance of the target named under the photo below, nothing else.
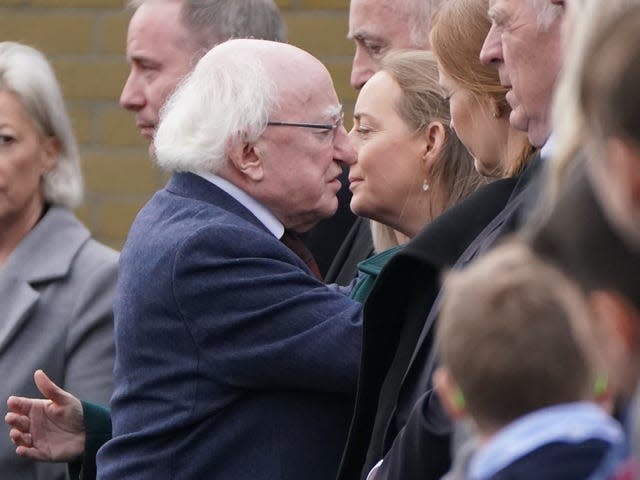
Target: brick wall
(85, 40)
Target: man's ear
(246, 159)
(435, 137)
(449, 393)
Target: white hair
(227, 98)
(26, 73)
(547, 12)
(420, 13)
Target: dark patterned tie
(297, 246)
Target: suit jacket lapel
(14, 314)
(44, 255)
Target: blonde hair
(384, 237)
(457, 34)
(421, 102)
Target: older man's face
(377, 27)
(528, 58)
(302, 164)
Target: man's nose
(362, 69)
(491, 51)
(131, 97)
(343, 150)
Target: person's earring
(425, 186)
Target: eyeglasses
(320, 126)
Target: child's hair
(515, 335)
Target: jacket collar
(47, 251)
(45, 254)
(190, 185)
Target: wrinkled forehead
(381, 19)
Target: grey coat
(56, 291)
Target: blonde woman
(410, 166)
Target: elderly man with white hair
(233, 359)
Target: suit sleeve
(90, 348)
(262, 319)
(97, 426)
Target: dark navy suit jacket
(233, 361)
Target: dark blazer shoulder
(444, 239)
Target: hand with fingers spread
(49, 429)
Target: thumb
(49, 389)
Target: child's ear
(616, 327)
(450, 394)
(603, 393)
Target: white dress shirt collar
(261, 212)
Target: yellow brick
(110, 173)
(117, 127)
(92, 79)
(116, 216)
(53, 33)
(78, 3)
(113, 30)
(283, 3)
(320, 34)
(83, 213)
(340, 72)
(81, 119)
(324, 4)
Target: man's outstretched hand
(49, 429)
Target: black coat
(394, 315)
(415, 438)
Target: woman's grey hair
(227, 98)
(25, 72)
(215, 21)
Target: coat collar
(47, 251)
(45, 254)
(190, 185)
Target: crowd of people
(480, 319)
